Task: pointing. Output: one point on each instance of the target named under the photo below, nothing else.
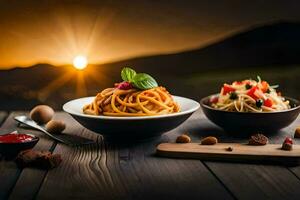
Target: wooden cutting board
(240, 152)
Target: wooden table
(110, 171)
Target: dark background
(191, 47)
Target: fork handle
(32, 125)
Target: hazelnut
(210, 140)
(258, 139)
(41, 114)
(55, 126)
(297, 133)
(183, 139)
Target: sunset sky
(55, 31)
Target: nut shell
(55, 126)
(183, 139)
(41, 114)
(210, 140)
(297, 133)
(258, 140)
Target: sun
(80, 62)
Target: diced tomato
(288, 140)
(252, 91)
(214, 99)
(227, 88)
(268, 103)
(124, 86)
(264, 86)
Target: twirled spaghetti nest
(132, 102)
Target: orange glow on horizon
(79, 79)
(56, 32)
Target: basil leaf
(127, 74)
(144, 81)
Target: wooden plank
(9, 172)
(111, 171)
(167, 178)
(240, 152)
(3, 116)
(245, 181)
(296, 169)
(34, 177)
(17, 183)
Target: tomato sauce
(15, 138)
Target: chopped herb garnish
(274, 86)
(258, 78)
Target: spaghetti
(132, 102)
(249, 96)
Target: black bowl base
(128, 140)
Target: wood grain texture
(295, 170)
(9, 172)
(3, 116)
(246, 181)
(17, 183)
(112, 171)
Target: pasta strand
(132, 102)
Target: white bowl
(142, 127)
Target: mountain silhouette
(266, 46)
(272, 44)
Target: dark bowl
(130, 128)
(245, 122)
(11, 149)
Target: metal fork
(72, 140)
